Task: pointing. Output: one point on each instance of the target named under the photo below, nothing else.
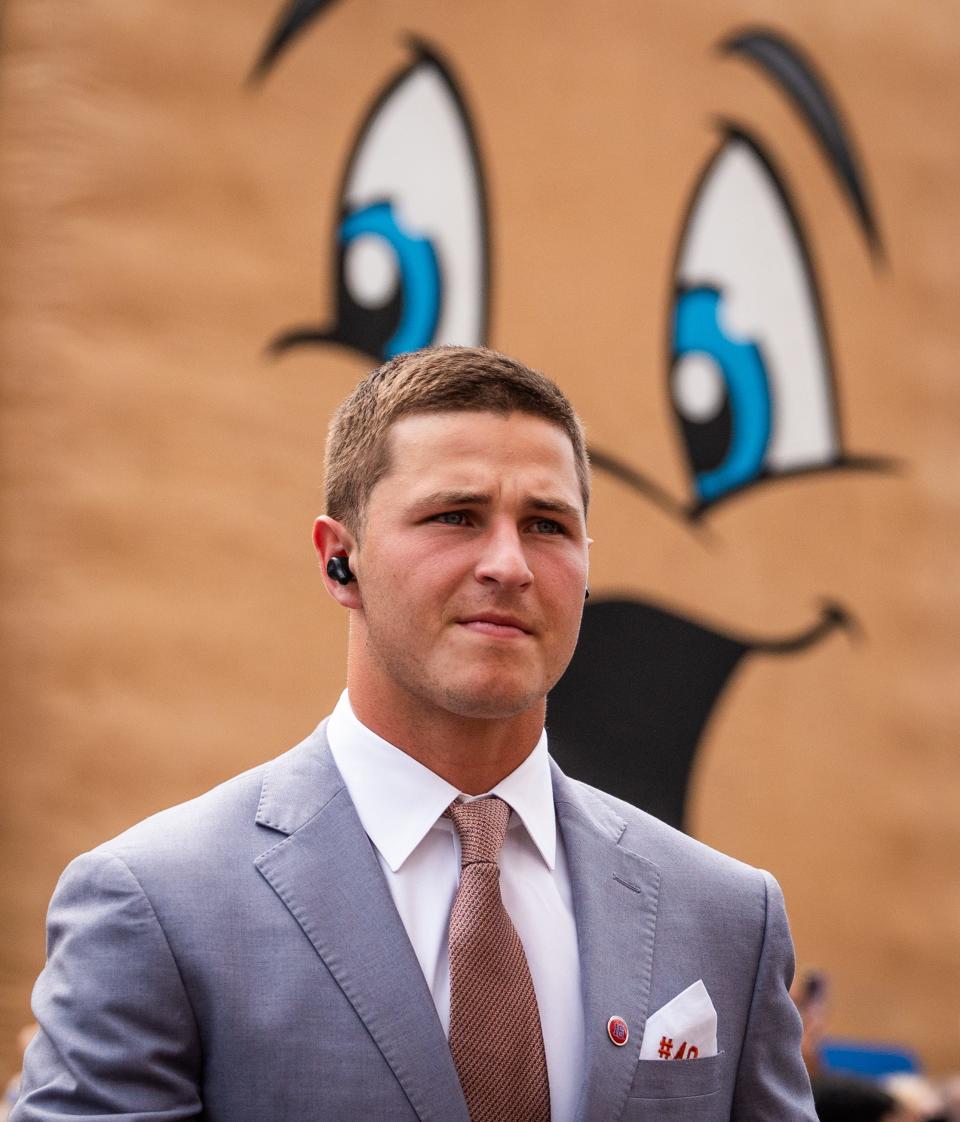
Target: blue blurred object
(870, 1060)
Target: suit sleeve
(772, 1083)
(118, 1038)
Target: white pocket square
(683, 1029)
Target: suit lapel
(325, 871)
(615, 895)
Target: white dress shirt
(400, 803)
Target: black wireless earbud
(338, 569)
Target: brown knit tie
(495, 1032)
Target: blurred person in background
(950, 1088)
(810, 993)
(847, 1098)
(905, 1097)
(917, 1097)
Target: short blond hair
(433, 380)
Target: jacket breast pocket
(683, 1081)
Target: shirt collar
(398, 800)
(528, 790)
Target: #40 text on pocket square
(684, 1052)
(683, 1029)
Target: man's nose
(502, 559)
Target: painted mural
(723, 229)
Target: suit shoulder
(672, 850)
(196, 829)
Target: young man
(322, 938)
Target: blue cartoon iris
(405, 319)
(722, 397)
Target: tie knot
(482, 826)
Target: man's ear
(332, 539)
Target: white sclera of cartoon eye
(740, 240)
(416, 152)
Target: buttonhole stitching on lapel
(626, 884)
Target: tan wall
(163, 625)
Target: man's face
(472, 564)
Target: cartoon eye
(411, 253)
(750, 375)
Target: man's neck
(471, 753)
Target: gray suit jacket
(239, 959)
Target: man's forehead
(463, 451)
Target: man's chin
(491, 702)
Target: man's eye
(451, 518)
(547, 526)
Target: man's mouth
(497, 625)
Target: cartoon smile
(654, 677)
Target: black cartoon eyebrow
(293, 18)
(797, 77)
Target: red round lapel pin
(617, 1031)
